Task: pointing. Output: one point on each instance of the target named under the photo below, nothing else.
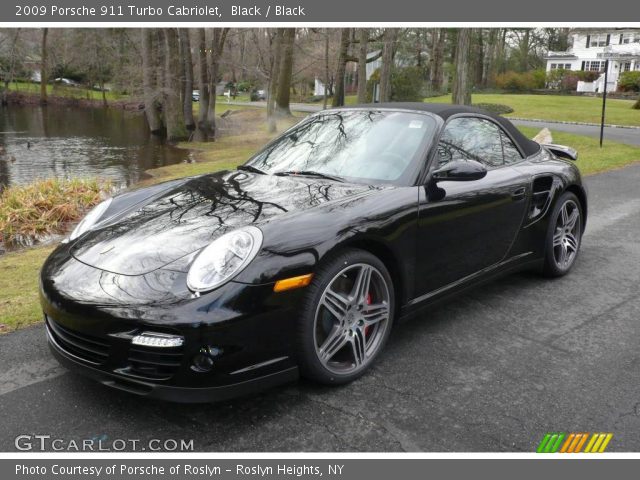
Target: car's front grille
(117, 353)
(85, 347)
(155, 364)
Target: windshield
(359, 145)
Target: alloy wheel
(351, 319)
(566, 237)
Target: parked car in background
(257, 95)
(67, 81)
(195, 95)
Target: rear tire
(564, 236)
(346, 317)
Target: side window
(470, 138)
(511, 153)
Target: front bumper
(169, 392)
(92, 317)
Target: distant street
(630, 136)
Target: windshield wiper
(251, 168)
(309, 173)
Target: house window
(560, 66)
(626, 38)
(626, 67)
(593, 66)
(598, 40)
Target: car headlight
(224, 258)
(90, 219)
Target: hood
(188, 217)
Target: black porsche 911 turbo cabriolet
(302, 259)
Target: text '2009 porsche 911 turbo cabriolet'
(302, 259)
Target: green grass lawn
(591, 158)
(64, 91)
(19, 306)
(566, 108)
(19, 271)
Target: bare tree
(172, 106)
(187, 60)
(150, 93)
(438, 38)
(219, 36)
(326, 69)
(202, 131)
(338, 94)
(461, 91)
(388, 49)
(286, 70)
(273, 80)
(43, 67)
(363, 36)
(10, 74)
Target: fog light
(203, 361)
(159, 340)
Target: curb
(560, 122)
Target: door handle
(518, 193)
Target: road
(629, 136)
(493, 370)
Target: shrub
(408, 84)
(30, 212)
(567, 80)
(516, 82)
(244, 86)
(497, 108)
(629, 82)
(539, 77)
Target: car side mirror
(460, 171)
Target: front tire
(346, 317)
(564, 236)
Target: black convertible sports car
(302, 259)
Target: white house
(592, 48)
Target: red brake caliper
(368, 327)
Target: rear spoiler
(562, 151)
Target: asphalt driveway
(492, 371)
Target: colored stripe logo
(574, 442)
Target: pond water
(64, 142)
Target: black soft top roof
(445, 110)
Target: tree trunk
(173, 112)
(286, 70)
(187, 60)
(461, 92)
(202, 132)
(217, 45)
(478, 51)
(388, 48)
(524, 50)
(326, 69)
(149, 86)
(338, 94)
(362, 64)
(437, 58)
(43, 67)
(489, 67)
(273, 80)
